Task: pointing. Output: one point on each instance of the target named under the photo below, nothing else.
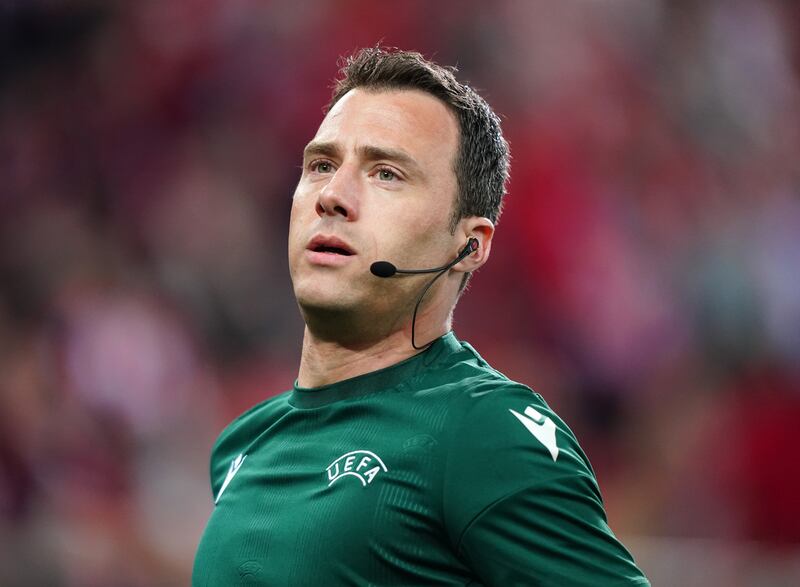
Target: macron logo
(542, 427)
(361, 464)
(236, 464)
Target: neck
(326, 361)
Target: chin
(318, 296)
(320, 305)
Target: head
(407, 164)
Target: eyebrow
(368, 152)
(320, 148)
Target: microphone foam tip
(382, 269)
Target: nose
(340, 195)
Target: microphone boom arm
(386, 269)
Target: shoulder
(243, 430)
(491, 413)
(509, 421)
(254, 419)
(483, 397)
(520, 498)
(503, 437)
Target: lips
(330, 245)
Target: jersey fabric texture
(438, 470)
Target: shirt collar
(380, 380)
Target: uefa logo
(361, 464)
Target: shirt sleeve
(521, 501)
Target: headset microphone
(386, 269)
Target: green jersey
(435, 471)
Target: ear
(481, 229)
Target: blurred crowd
(644, 277)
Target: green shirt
(438, 470)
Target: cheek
(298, 221)
(421, 226)
(302, 211)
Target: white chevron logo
(236, 464)
(542, 427)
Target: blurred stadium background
(644, 278)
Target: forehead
(411, 120)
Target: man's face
(377, 184)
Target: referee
(400, 457)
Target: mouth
(330, 246)
(331, 250)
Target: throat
(325, 362)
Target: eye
(386, 174)
(321, 166)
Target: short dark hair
(482, 163)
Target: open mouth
(330, 245)
(331, 250)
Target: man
(387, 465)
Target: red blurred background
(644, 277)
